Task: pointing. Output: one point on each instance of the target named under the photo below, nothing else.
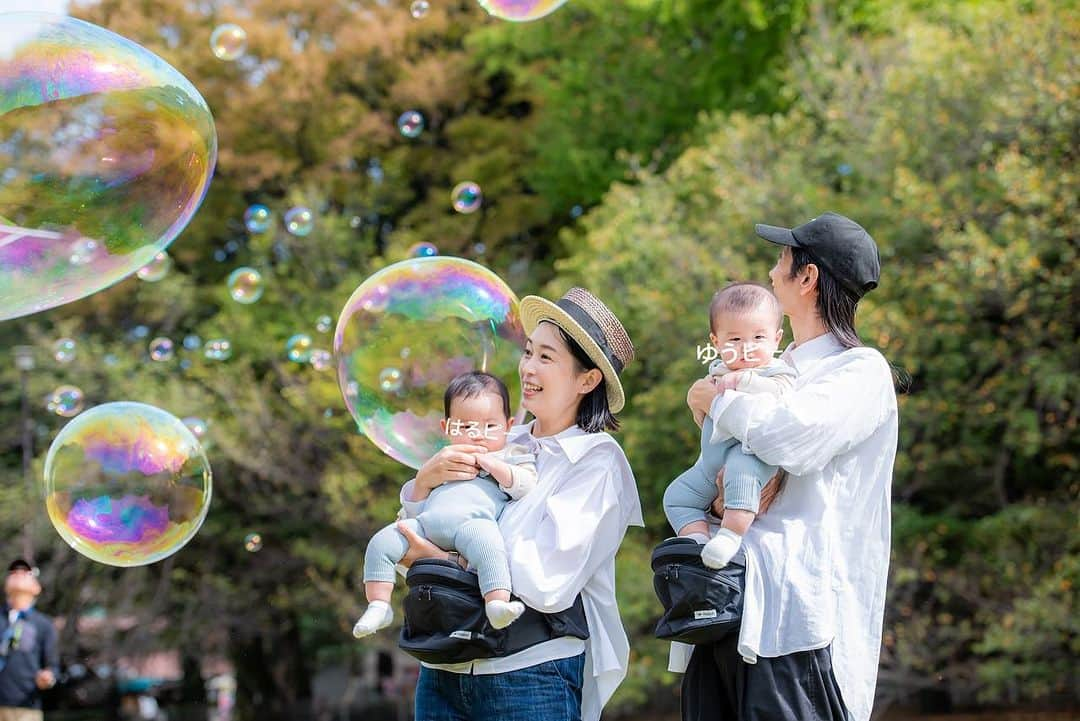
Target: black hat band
(590, 326)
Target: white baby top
(561, 540)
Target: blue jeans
(549, 691)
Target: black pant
(720, 686)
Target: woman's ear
(808, 279)
(589, 380)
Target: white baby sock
(378, 615)
(699, 537)
(503, 613)
(721, 548)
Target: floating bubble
(423, 250)
(228, 41)
(218, 349)
(65, 350)
(324, 324)
(65, 401)
(245, 285)
(298, 348)
(419, 8)
(322, 360)
(299, 221)
(258, 218)
(157, 268)
(107, 153)
(521, 10)
(196, 425)
(392, 381)
(161, 349)
(844, 169)
(411, 123)
(466, 197)
(192, 342)
(126, 484)
(139, 332)
(375, 171)
(252, 542)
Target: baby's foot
(503, 613)
(378, 615)
(721, 548)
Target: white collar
(814, 349)
(574, 441)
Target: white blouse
(561, 540)
(818, 561)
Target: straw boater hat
(593, 327)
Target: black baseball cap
(839, 244)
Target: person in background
(29, 662)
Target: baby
(461, 515)
(745, 320)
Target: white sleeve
(820, 419)
(580, 528)
(409, 508)
(522, 480)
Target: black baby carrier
(445, 620)
(701, 604)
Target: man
(817, 561)
(28, 657)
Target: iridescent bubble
(392, 381)
(161, 349)
(196, 425)
(65, 350)
(423, 250)
(126, 484)
(410, 124)
(466, 197)
(299, 221)
(322, 360)
(245, 285)
(218, 349)
(65, 401)
(419, 8)
(84, 250)
(252, 542)
(324, 324)
(192, 342)
(298, 348)
(228, 41)
(521, 10)
(157, 268)
(107, 153)
(258, 218)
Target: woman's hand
(420, 547)
(456, 462)
(700, 396)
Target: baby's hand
(729, 382)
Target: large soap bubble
(106, 152)
(521, 10)
(126, 484)
(410, 328)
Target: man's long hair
(835, 303)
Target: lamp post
(24, 362)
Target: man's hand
(700, 396)
(718, 504)
(45, 679)
(419, 547)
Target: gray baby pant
(458, 516)
(691, 494)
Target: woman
(562, 537)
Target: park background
(628, 147)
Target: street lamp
(24, 362)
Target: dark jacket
(31, 649)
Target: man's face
(21, 581)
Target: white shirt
(561, 540)
(817, 562)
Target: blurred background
(628, 147)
